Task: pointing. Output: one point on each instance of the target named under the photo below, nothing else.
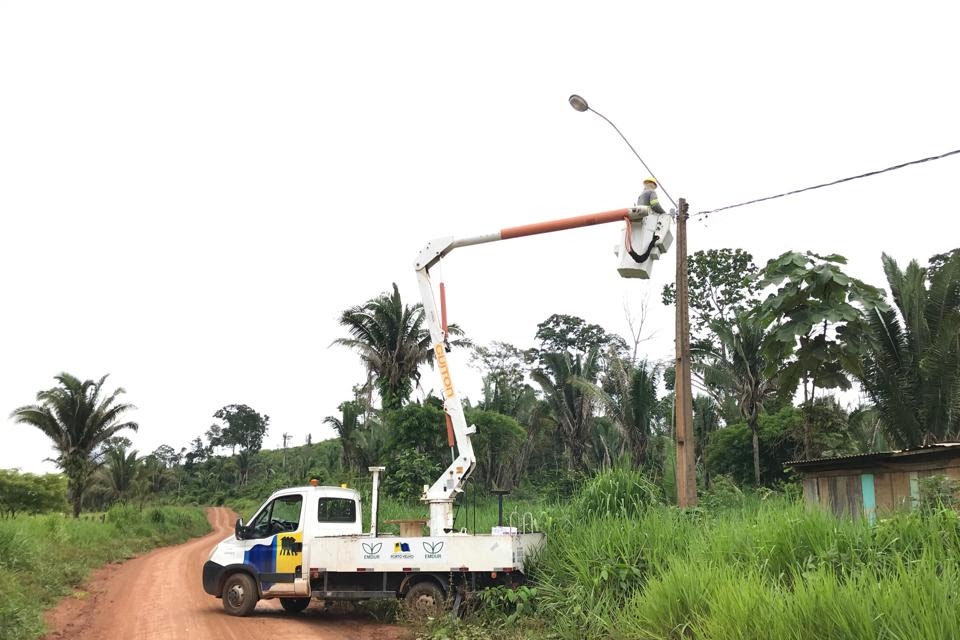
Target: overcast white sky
(190, 192)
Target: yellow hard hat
(651, 180)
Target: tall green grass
(621, 563)
(43, 557)
(760, 569)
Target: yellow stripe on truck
(289, 552)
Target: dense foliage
(30, 493)
(911, 373)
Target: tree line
(771, 348)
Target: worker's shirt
(649, 199)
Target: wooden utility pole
(683, 394)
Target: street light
(579, 104)
(683, 392)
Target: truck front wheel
(240, 594)
(424, 599)
(294, 605)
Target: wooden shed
(871, 483)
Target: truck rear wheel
(239, 594)
(424, 599)
(294, 605)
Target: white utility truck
(308, 542)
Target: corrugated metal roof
(877, 455)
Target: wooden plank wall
(884, 491)
(810, 495)
(841, 491)
(854, 496)
(840, 494)
(823, 492)
(900, 483)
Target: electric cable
(826, 184)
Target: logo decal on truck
(401, 551)
(444, 370)
(371, 551)
(289, 546)
(432, 550)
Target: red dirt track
(159, 596)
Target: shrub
(16, 549)
(723, 492)
(407, 473)
(619, 491)
(939, 492)
(730, 450)
(30, 493)
(504, 604)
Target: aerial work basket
(646, 237)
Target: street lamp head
(578, 103)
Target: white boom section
(441, 495)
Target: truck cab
(270, 549)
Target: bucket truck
(307, 542)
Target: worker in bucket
(649, 196)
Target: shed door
(869, 497)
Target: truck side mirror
(239, 530)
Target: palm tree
(245, 461)
(606, 443)
(629, 394)
(706, 420)
(864, 428)
(347, 428)
(738, 365)
(911, 368)
(561, 376)
(78, 420)
(392, 342)
(121, 471)
(154, 472)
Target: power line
(827, 184)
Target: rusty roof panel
(877, 456)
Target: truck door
(275, 545)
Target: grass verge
(42, 558)
(620, 564)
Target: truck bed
(455, 552)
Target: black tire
(425, 599)
(294, 605)
(239, 594)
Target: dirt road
(159, 596)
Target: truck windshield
(281, 515)
(336, 510)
